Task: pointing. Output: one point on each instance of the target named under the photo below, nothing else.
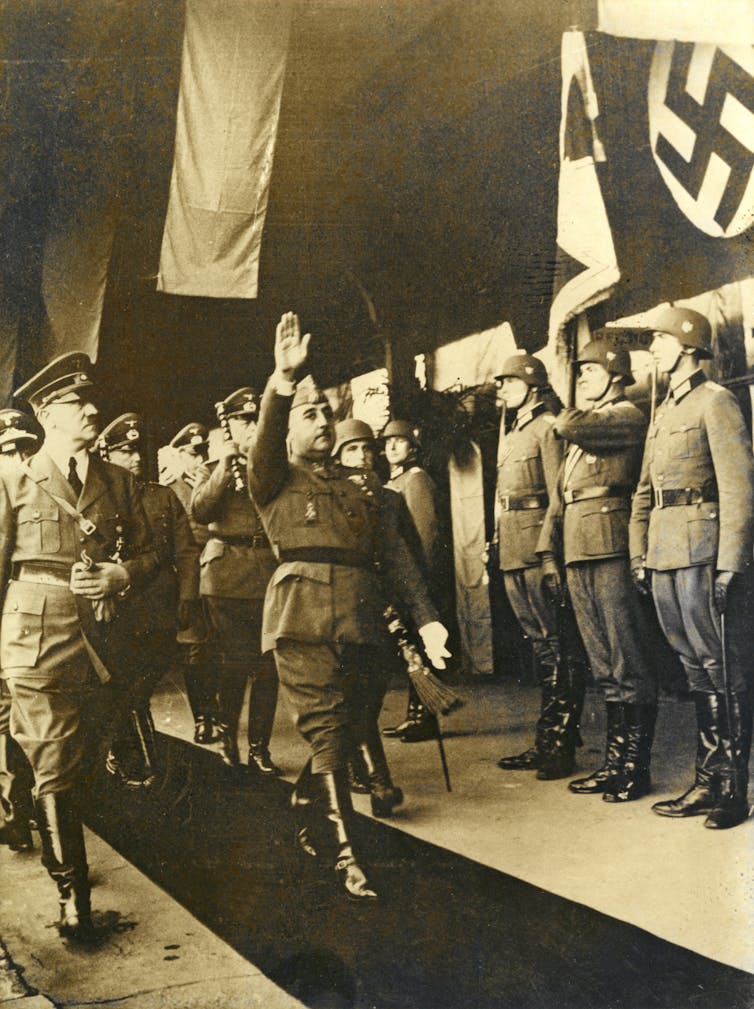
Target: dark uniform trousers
(590, 517)
(235, 567)
(54, 654)
(699, 441)
(323, 612)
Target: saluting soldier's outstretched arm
(268, 460)
(613, 427)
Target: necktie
(73, 477)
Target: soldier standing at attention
(590, 513)
(74, 537)
(179, 463)
(170, 602)
(324, 608)
(528, 465)
(17, 442)
(417, 488)
(692, 527)
(236, 565)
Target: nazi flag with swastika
(677, 124)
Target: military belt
(588, 493)
(42, 574)
(672, 497)
(258, 541)
(522, 502)
(327, 555)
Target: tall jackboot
(413, 709)
(563, 701)
(201, 688)
(384, 794)
(64, 856)
(615, 743)
(634, 780)
(358, 775)
(230, 691)
(301, 802)
(333, 799)
(263, 699)
(732, 806)
(530, 759)
(16, 808)
(703, 795)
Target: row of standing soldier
(592, 499)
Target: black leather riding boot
(384, 795)
(563, 701)
(732, 805)
(634, 780)
(615, 743)
(529, 759)
(64, 856)
(16, 807)
(333, 802)
(703, 795)
(263, 699)
(413, 709)
(231, 686)
(201, 688)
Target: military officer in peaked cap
(590, 513)
(324, 605)
(170, 602)
(692, 528)
(74, 537)
(529, 460)
(17, 441)
(418, 490)
(179, 463)
(236, 565)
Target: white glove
(434, 638)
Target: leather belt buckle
(659, 501)
(505, 502)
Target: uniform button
(82, 539)
(713, 515)
(603, 508)
(37, 514)
(15, 607)
(24, 631)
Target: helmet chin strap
(606, 390)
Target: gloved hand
(641, 579)
(434, 638)
(491, 556)
(722, 585)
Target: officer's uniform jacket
(236, 562)
(183, 492)
(587, 518)
(698, 441)
(177, 577)
(417, 488)
(527, 474)
(313, 512)
(44, 624)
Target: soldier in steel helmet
(589, 517)
(692, 527)
(417, 488)
(528, 465)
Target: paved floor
(673, 878)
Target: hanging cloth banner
(233, 66)
(724, 22)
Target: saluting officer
(528, 465)
(323, 612)
(74, 536)
(692, 527)
(235, 567)
(418, 490)
(17, 442)
(179, 463)
(591, 510)
(170, 602)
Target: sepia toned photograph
(376, 504)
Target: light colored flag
(722, 22)
(232, 72)
(586, 266)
